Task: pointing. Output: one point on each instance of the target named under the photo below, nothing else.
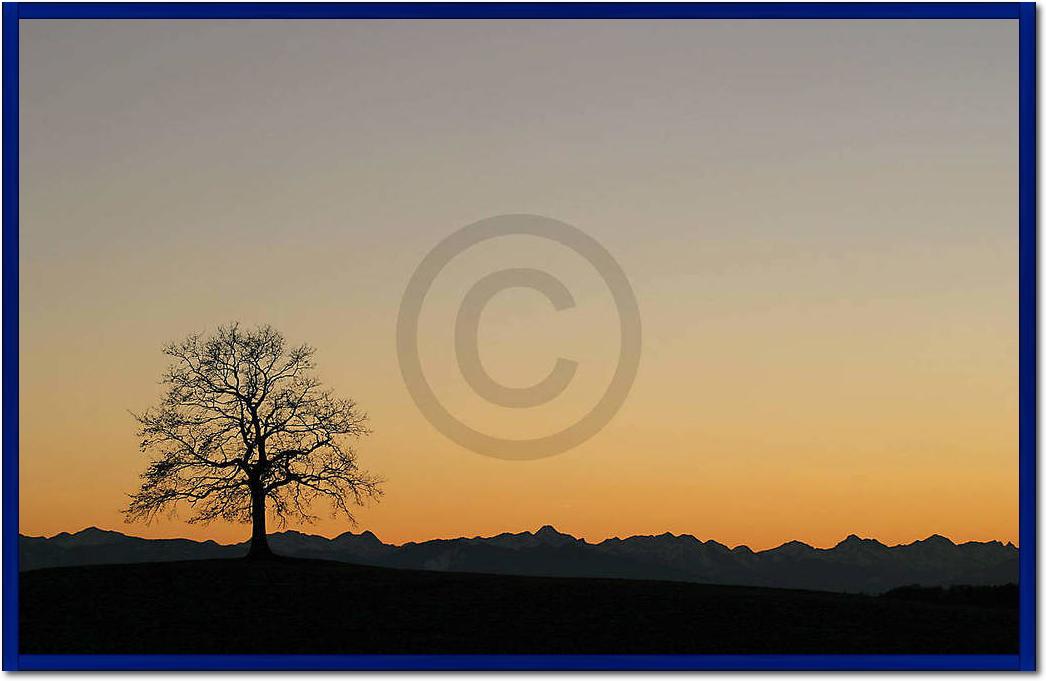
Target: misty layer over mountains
(853, 565)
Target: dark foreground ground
(299, 606)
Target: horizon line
(852, 535)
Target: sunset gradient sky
(819, 219)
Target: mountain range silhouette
(855, 565)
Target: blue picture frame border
(1023, 12)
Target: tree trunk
(259, 542)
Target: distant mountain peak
(365, 539)
(856, 541)
(937, 539)
(93, 531)
(794, 544)
(90, 535)
(293, 533)
(550, 535)
(788, 550)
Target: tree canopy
(244, 425)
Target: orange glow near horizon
(820, 229)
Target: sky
(818, 219)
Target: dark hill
(301, 606)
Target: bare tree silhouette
(243, 421)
